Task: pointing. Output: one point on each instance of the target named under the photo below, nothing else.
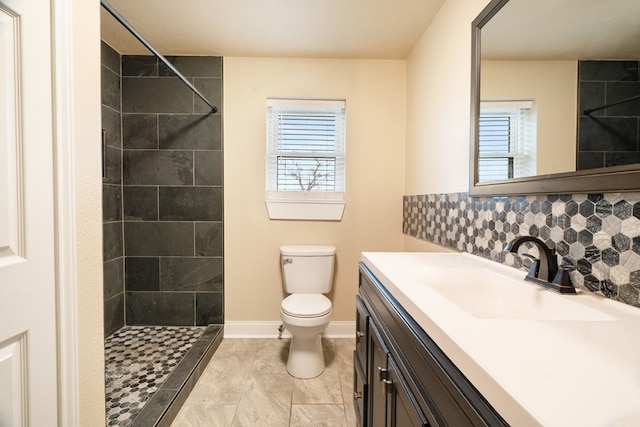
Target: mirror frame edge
(613, 179)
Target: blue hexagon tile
(597, 233)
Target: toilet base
(306, 357)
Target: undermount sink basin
(485, 294)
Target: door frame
(66, 285)
(66, 138)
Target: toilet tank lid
(309, 250)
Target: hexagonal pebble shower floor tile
(138, 359)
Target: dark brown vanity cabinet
(401, 377)
(391, 401)
(360, 363)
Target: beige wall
(84, 38)
(438, 102)
(372, 221)
(553, 85)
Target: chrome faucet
(544, 271)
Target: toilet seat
(306, 305)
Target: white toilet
(307, 274)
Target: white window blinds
(305, 146)
(506, 145)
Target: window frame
(309, 204)
(520, 154)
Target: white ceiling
(373, 29)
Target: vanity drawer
(362, 328)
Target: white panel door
(28, 379)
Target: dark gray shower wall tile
(620, 91)
(590, 160)
(608, 134)
(142, 274)
(212, 90)
(209, 308)
(209, 239)
(155, 95)
(113, 277)
(113, 165)
(194, 66)
(112, 240)
(592, 95)
(190, 132)
(621, 158)
(111, 203)
(191, 274)
(160, 308)
(208, 167)
(139, 65)
(141, 203)
(109, 57)
(110, 88)
(190, 203)
(111, 124)
(153, 167)
(159, 239)
(113, 314)
(608, 70)
(140, 131)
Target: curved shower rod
(164, 60)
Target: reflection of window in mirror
(507, 140)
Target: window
(305, 158)
(507, 139)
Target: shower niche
(162, 231)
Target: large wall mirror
(555, 97)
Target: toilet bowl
(307, 273)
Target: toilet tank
(307, 269)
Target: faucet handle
(563, 278)
(535, 265)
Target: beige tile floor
(246, 384)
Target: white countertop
(534, 372)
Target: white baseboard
(269, 329)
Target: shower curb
(167, 401)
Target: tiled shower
(162, 229)
(608, 136)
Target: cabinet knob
(357, 395)
(359, 334)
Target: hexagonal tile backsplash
(597, 233)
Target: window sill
(305, 210)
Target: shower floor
(140, 360)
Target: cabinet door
(377, 413)
(403, 411)
(360, 391)
(362, 322)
